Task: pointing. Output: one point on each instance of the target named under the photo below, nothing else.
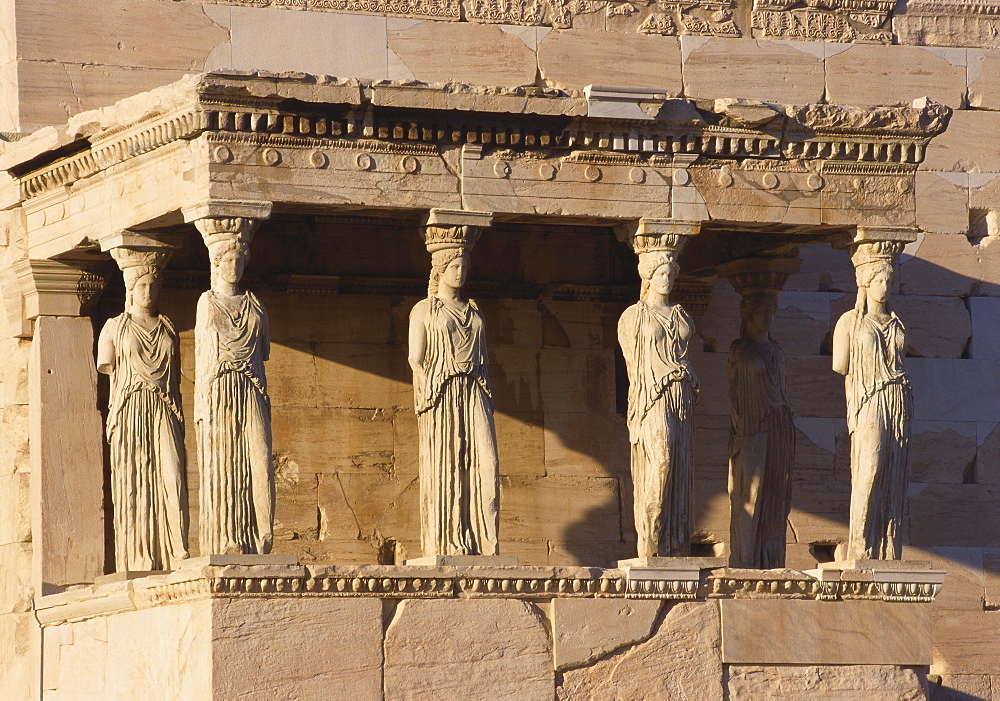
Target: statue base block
(875, 565)
(705, 563)
(126, 576)
(463, 561)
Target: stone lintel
(140, 239)
(53, 288)
(457, 217)
(228, 209)
(870, 234)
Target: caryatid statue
(138, 349)
(654, 336)
(762, 432)
(458, 465)
(868, 349)
(232, 409)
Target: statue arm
(417, 338)
(106, 348)
(842, 343)
(626, 336)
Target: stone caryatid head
(228, 242)
(875, 271)
(450, 236)
(142, 270)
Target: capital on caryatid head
(877, 245)
(651, 235)
(219, 220)
(453, 228)
(751, 276)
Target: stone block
(15, 516)
(991, 576)
(19, 635)
(680, 661)
(785, 72)
(721, 322)
(984, 88)
(713, 391)
(820, 511)
(575, 58)
(520, 443)
(477, 54)
(515, 378)
(823, 269)
(961, 687)
(936, 327)
(781, 682)
(814, 389)
(471, 648)
(362, 375)
(252, 639)
(802, 323)
(966, 145)
(16, 590)
(985, 313)
(577, 381)
(788, 631)
(942, 452)
(965, 641)
(584, 630)
(322, 440)
(585, 445)
(147, 34)
(321, 43)
(894, 75)
(371, 507)
(989, 253)
(532, 509)
(348, 319)
(988, 453)
(952, 514)
(602, 553)
(964, 582)
(296, 511)
(52, 92)
(14, 373)
(942, 202)
(953, 390)
(512, 322)
(938, 264)
(291, 374)
(14, 451)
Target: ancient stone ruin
(499, 349)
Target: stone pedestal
(228, 627)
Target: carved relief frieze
(864, 21)
(949, 23)
(670, 17)
(435, 9)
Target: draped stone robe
(146, 440)
(233, 417)
(662, 392)
(459, 469)
(879, 409)
(761, 454)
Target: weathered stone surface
(252, 638)
(988, 453)
(964, 146)
(984, 89)
(951, 514)
(15, 516)
(894, 75)
(951, 390)
(338, 44)
(585, 445)
(19, 635)
(936, 327)
(66, 453)
(875, 682)
(965, 641)
(985, 312)
(16, 588)
(477, 54)
(785, 72)
(584, 630)
(942, 202)
(478, 648)
(942, 452)
(813, 632)
(576, 58)
(680, 661)
(526, 508)
(961, 687)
